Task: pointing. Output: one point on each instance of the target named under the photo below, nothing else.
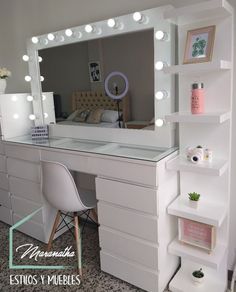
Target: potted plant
(4, 74)
(198, 276)
(193, 199)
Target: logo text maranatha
(34, 252)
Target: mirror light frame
(163, 51)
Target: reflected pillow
(82, 115)
(95, 116)
(110, 116)
(72, 115)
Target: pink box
(197, 234)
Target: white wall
(20, 19)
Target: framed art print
(199, 45)
(95, 71)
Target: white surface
(208, 211)
(187, 117)
(101, 125)
(217, 167)
(198, 255)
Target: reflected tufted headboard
(93, 99)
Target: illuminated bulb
(27, 78)
(15, 116)
(161, 35)
(112, 23)
(159, 123)
(138, 17)
(51, 36)
(25, 58)
(159, 65)
(40, 59)
(35, 40)
(44, 97)
(30, 98)
(41, 78)
(45, 115)
(161, 94)
(68, 32)
(32, 117)
(89, 28)
(14, 98)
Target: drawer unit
(6, 215)
(130, 272)
(3, 163)
(4, 181)
(25, 189)
(128, 221)
(21, 152)
(129, 247)
(5, 198)
(124, 170)
(23, 169)
(24, 207)
(127, 195)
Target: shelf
(199, 12)
(182, 281)
(207, 212)
(211, 118)
(186, 251)
(195, 69)
(215, 168)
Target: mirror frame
(164, 50)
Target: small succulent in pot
(198, 276)
(193, 199)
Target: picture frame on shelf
(197, 234)
(199, 45)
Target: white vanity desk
(133, 189)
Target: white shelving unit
(212, 130)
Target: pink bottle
(197, 98)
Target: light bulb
(40, 59)
(89, 28)
(61, 38)
(35, 40)
(25, 58)
(15, 116)
(68, 32)
(14, 98)
(159, 65)
(161, 94)
(78, 34)
(112, 23)
(45, 115)
(28, 78)
(44, 97)
(41, 78)
(51, 36)
(159, 123)
(30, 98)
(161, 35)
(138, 17)
(32, 117)
(44, 41)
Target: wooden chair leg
(78, 244)
(95, 215)
(56, 222)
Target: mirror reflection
(77, 75)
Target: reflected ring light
(110, 94)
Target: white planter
(193, 204)
(197, 281)
(3, 85)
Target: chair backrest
(59, 188)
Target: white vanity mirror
(76, 63)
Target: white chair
(60, 190)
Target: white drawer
(21, 152)
(129, 247)
(4, 181)
(5, 198)
(128, 221)
(26, 189)
(23, 169)
(130, 272)
(127, 195)
(6, 215)
(2, 147)
(24, 207)
(3, 163)
(129, 171)
(30, 228)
